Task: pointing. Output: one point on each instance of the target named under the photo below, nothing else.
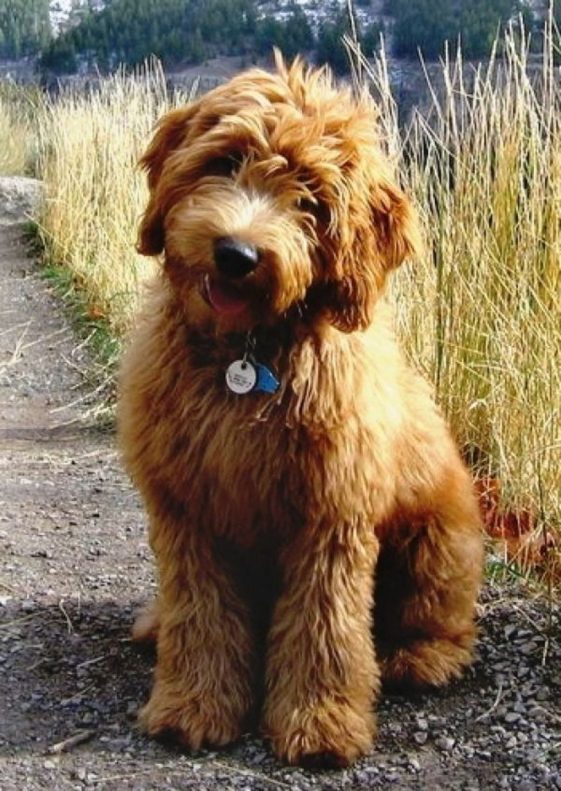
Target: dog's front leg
(204, 673)
(322, 676)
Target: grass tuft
(480, 314)
(18, 131)
(89, 147)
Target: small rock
(19, 197)
(543, 694)
(420, 737)
(445, 743)
(414, 765)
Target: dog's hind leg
(426, 588)
(204, 677)
(146, 623)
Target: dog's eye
(316, 207)
(223, 166)
(307, 205)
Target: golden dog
(314, 528)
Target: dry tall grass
(480, 314)
(17, 133)
(90, 144)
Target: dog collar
(247, 375)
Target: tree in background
(176, 31)
(421, 24)
(129, 31)
(426, 24)
(330, 48)
(480, 21)
(298, 36)
(25, 27)
(60, 57)
(292, 36)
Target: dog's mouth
(223, 297)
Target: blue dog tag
(267, 382)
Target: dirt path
(75, 562)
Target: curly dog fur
(314, 541)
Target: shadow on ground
(69, 666)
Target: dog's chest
(246, 465)
(233, 468)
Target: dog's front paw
(192, 721)
(325, 735)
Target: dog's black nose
(235, 258)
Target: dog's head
(271, 192)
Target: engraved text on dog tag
(241, 377)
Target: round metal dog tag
(241, 377)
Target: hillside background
(41, 39)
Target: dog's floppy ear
(395, 224)
(170, 134)
(381, 237)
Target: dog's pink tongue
(225, 298)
